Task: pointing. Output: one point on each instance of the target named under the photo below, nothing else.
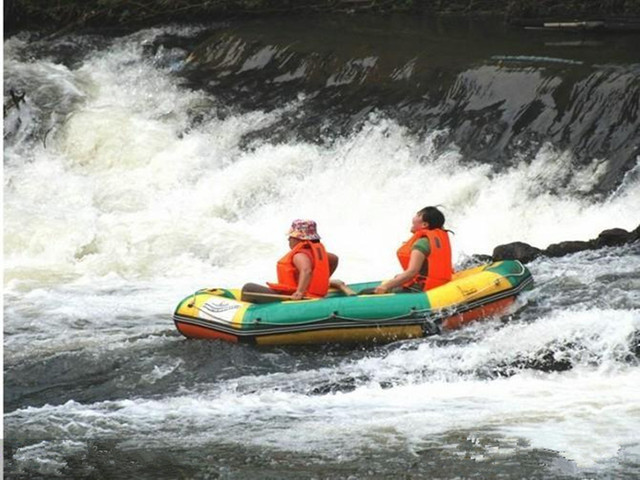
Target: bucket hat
(304, 230)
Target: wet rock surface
(524, 252)
(73, 14)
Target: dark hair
(433, 216)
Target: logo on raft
(219, 310)
(220, 306)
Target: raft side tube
(474, 293)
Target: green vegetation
(64, 15)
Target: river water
(144, 165)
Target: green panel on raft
(363, 307)
(511, 270)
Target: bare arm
(304, 266)
(333, 262)
(415, 262)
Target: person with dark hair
(303, 272)
(425, 257)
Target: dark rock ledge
(62, 16)
(526, 253)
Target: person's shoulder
(422, 244)
(303, 255)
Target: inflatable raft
(218, 313)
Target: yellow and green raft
(479, 292)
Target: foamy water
(128, 206)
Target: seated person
(303, 272)
(425, 257)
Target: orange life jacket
(288, 273)
(439, 267)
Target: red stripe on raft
(456, 321)
(195, 331)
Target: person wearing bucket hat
(303, 272)
(425, 257)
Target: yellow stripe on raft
(239, 316)
(344, 335)
(475, 283)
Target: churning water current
(130, 181)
